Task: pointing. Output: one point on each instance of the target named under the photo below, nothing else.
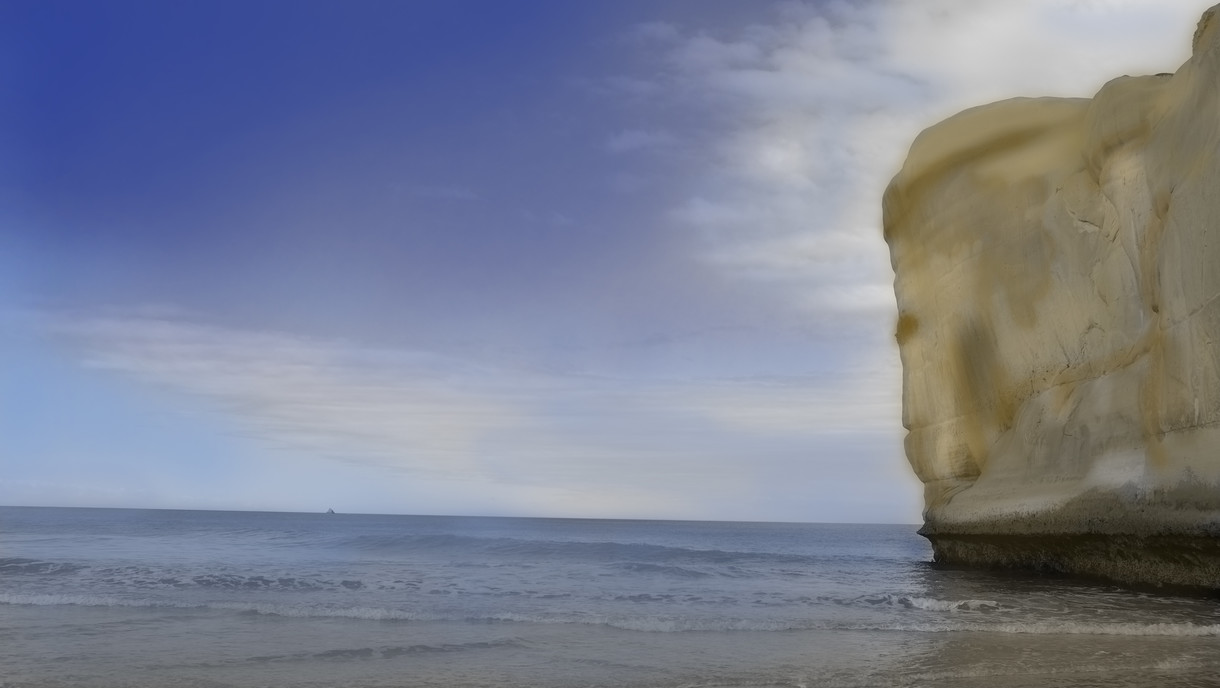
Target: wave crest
(652, 624)
(927, 603)
(26, 567)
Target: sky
(611, 258)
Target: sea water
(105, 597)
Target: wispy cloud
(409, 410)
(649, 443)
(818, 106)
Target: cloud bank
(563, 444)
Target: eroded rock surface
(1057, 268)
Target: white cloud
(820, 105)
(554, 442)
(408, 410)
(858, 402)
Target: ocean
(115, 597)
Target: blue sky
(606, 259)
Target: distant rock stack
(1057, 270)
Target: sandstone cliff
(1057, 268)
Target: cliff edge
(1057, 272)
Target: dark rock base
(1187, 561)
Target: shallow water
(175, 598)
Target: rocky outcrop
(1057, 270)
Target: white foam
(931, 604)
(1187, 630)
(656, 624)
(48, 600)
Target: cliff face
(1057, 269)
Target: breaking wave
(19, 566)
(925, 603)
(643, 623)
